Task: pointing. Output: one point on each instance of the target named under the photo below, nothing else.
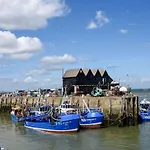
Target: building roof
(85, 71)
(71, 73)
(94, 71)
(101, 72)
(74, 72)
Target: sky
(39, 38)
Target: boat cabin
(66, 107)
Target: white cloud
(54, 67)
(30, 14)
(99, 21)
(45, 71)
(47, 80)
(30, 80)
(23, 56)
(65, 59)
(18, 48)
(92, 25)
(37, 72)
(15, 80)
(123, 31)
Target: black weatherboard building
(83, 80)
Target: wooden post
(32, 102)
(137, 107)
(77, 103)
(27, 99)
(21, 102)
(6, 100)
(16, 101)
(98, 103)
(39, 100)
(133, 110)
(88, 104)
(10, 101)
(2, 100)
(110, 108)
(128, 110)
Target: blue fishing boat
(58, 123)
(90, 117)
(145, 110)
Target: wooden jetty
(118, 110)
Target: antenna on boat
(85, 103)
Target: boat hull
(91, 125)
(52, 130)
(92, 120)
(145, 117)
(16, 119)
(67, 124)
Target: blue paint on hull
(15, 118)
(67, 123)
(91, 119)
(145, 117)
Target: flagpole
(128, 79)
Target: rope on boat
(51, 113)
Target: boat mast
(85, 103)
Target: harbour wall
(118, 110)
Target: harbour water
(16, 137)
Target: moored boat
(61, 123)
(145, 110)
(91, 118)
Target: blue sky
(38, 38)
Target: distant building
(83, 80)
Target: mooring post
(110, 109)
(2, 102)
(10, 101)
(137, 108)
(16, 101)
(6, 101)
(128, 110)
(98, 103)
(133, 109)
(27, 100)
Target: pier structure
(118, 110)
